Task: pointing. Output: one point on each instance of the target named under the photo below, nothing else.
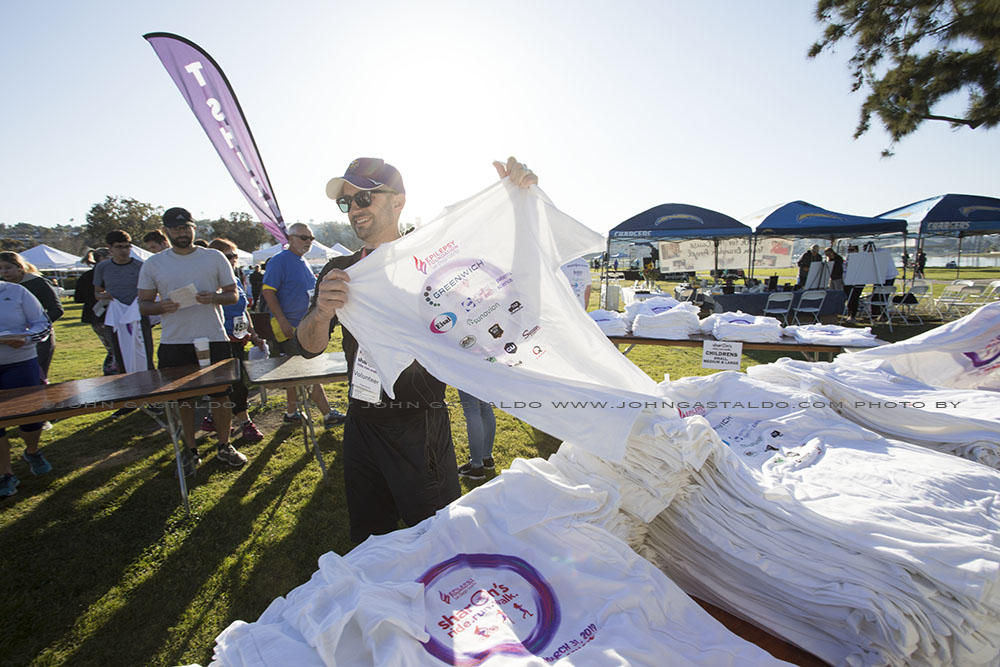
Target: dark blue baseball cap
(367, 173)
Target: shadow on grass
(232, 560)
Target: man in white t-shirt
(193, 284)
(399, 459)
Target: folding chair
(779, 303)
(810, 302)
(950, 295)
(913, 301)
(882, 298)
(969, 299)
(990, 293)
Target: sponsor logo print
(427, 297)
(514, 307)
(458, 279)
(537, 351)
(472, 321)
(510, 348)
(504, 280)
(443, 323)
(422, 264)
(528, 333)
(496, 331)
(469, 304)
(467, 342)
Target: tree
(134, 217)
(243, 230)
(331, 233)
(911, 54)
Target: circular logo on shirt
(468, 342)
(443, 323)
(480, 605)
(510, 348)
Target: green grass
(101, 566)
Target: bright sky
(617, 106)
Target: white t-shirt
(205, 268)
(578, 274)
(513, 573)
(964, 354)
(478, 299)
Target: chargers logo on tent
(443, 323)
(805, 216)
(678, 216)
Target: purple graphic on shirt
(536, 605)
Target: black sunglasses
(232, 256)
(363, 199)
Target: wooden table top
(26, 405)
(291, 371)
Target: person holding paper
(193, 283)
(399, 458)
(23, 324)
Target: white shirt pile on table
(832, 334)
(859, 549)
(964, 354)
(651, 306)
(964, 422)
(610, 322)
(677, 322)
(738, 325)
(515, 572)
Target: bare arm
(314, 329)
(148, 305)
(226, 297)
(271, 299)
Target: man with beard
(399, 459)
(175, 274)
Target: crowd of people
(399, 462)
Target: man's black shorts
(172, 355)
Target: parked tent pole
(601, 299)
(958, 264)
(716, 260)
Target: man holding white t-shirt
(193, 284)
(399, 459)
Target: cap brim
(335, 186)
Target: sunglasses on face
(233, 256)
(363, 199)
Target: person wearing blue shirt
(288, 288)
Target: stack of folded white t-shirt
(651, 306)
(610, 322)
(964, 422)
(964, 354)
(515, 572)
(832, 334)
(738, 325)
(677, 322)
(859, 549)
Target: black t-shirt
(416, 390)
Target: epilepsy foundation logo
(480, 605)
(436, 257)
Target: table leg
(173, 419)
(308, 433)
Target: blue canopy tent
(804, 220)
(678, 222)
(950, 215)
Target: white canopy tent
(47, 257)
(317, 253)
